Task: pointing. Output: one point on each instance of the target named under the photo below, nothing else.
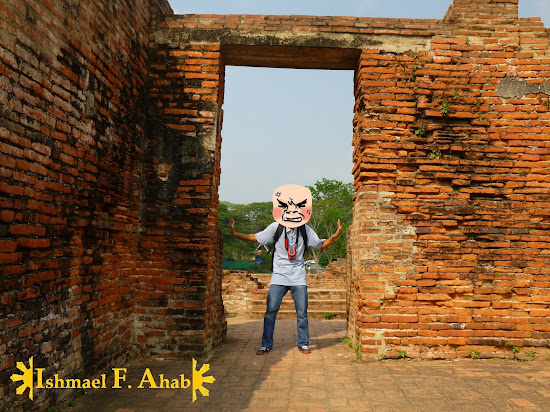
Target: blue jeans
(274, 299)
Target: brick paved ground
(329, 379)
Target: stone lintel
(291, 56)
(305, 50)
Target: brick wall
(178, 295)
(450, 240)
(72, 85)
(238, 288)
(450, 232)
(335, 271)
(245, 293)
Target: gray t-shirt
(289, 272)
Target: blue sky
(286, 126)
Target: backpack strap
(275, 238)
(303, 232)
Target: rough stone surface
(510, 87)
(73, 80)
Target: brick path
(329, 379)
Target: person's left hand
(338, 230)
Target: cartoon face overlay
(292, 205)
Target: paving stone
(330, 379)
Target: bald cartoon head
(292, 205)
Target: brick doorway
(276, 113)
(187, 90)
(436, 151)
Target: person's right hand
(232, 226)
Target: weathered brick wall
(450, 240)
(335, 271)
(245, 293)
(451, 161)
(72, 84)
(238, 287)
(178, 303)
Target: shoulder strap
(275, 238)
(278, 233)
(303, 232)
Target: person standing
(291, 236)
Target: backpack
(301, 231)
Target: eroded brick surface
(72, 85)
(455, 258)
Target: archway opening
(279, 126)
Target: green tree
(332, 200)
(250, 218)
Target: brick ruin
(245, 293)
(110, 135)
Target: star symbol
(198, 379)
(26, 377)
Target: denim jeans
(274, 299)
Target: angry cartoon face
(292, 205)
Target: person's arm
(331, 239)
(244, 236)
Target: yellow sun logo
(26, 378)
(198, 379)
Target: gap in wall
(283, 126)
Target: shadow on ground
(238, 371)
(329, 379)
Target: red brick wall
(72, 84)
(299, 24)
(178, 292)
(450, 240)
(238, 288)
(450, 235)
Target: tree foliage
(250, 218)
(332, 200)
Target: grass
(420, 132)
(444, 108)
(358, 353)
(515, 349)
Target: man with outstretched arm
(292, 207)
